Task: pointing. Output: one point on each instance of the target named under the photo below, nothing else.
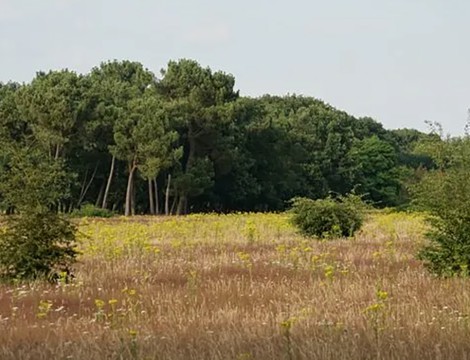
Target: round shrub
(328, 218)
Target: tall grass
(240, 286)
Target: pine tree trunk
(57, 152)
(181, 202)
(99, 199)
(82, 189)
(174, 204)
(87, 187)
(167, 196)
(182, 208)
(108, 185)
(133, 197)
(129, 192)
(157, 200)
(151, 198)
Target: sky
(400, 62)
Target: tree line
(125, 139)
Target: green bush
(89, 210)
(444, 194)
(448, 253)
(326, 218)
(36, 245)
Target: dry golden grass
(239, 287)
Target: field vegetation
(240, 286)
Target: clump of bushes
(36, 245)
(89, 210)
(444, 194)
(328, 218)
(35, 242)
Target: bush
(444, 194)
(329, 217)
(36, 245)
(90, 210)
(448, 253)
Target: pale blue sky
(398, 61)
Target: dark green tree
(144, 142)
(114, 86)
(375, 171)
(200, 104)
(52, 104)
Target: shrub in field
(89, 210)
(36, 242)
(324, 218)
(36, 245)
(444, 193)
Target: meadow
(239, 286)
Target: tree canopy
(122, 138)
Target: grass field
(242, 286)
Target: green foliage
(36, 242)
(12, 125)
(445, 195)
(52, 102)
(201, 104)
(374, 170)
(326, 218)
(197, 179)
(31, 180)
(36, 245)
(104, 132)
(90, 210)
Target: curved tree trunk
(57, 152)
(108, 185)
(128, 209)
(99, 199)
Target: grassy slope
(239, 287)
